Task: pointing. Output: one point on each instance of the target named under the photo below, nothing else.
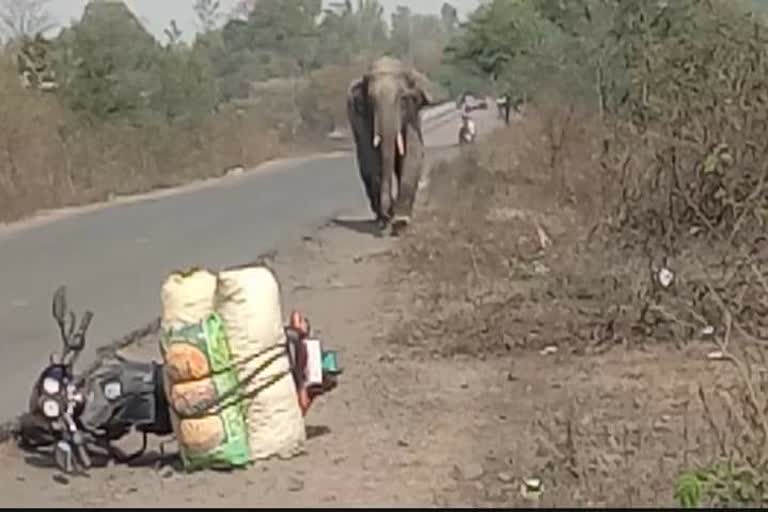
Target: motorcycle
(82, 415)
(467, 131)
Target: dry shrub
(690, 171)
(678, 187)
(675, 183)
(50, 157)
(736, 417)
(494, 219)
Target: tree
(186, 87)
(401, 32)
(108, 62)
(418, 39)
(450, 18)
(24, 18)
(495, 34)
(336, 34)
(173, 34)
(286, 28)
(208, 14)
(370, 29)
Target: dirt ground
(414, 427)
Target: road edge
(46, 216)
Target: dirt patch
(610, 430)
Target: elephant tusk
(376, 140)
(400, 144)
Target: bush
(51, 157)
(634, 194)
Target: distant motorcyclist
(500, 106)
(507, 106)
(468, 130)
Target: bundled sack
(248, 300)
(201, 384)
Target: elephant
(383, 107)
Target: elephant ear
(357, 95)
(422, 87)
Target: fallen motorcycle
(82, 415)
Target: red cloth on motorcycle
(300, 324)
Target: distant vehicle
(467, 130)
(464, 98)
(469, 101)
(479, 104)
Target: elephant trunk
(388, 137)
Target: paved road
(114, 259)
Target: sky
(157, 14)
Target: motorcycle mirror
(60, 304)
(76, 342)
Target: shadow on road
(364, 226)
(315, 431)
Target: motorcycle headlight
(51, 386)
(113, 390)
(51, 408)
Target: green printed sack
(204, 395)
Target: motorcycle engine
(124, 394)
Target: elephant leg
(397, 180)
(369, 174)
(368, 163)
(410, 174)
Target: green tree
(450, 18)
(418, 39)
(173, 34)
(370, 29)
(496, 33)
(107, 62)
(347, 31)
(185, 85)
(401, 32)
(522, 45)
(208, 14)
(337, 30)
(286, 28)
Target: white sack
(248, 300)
(187, 298)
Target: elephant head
(382, 105)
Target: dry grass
(499, 219)
(51, 158)
(521, 247)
